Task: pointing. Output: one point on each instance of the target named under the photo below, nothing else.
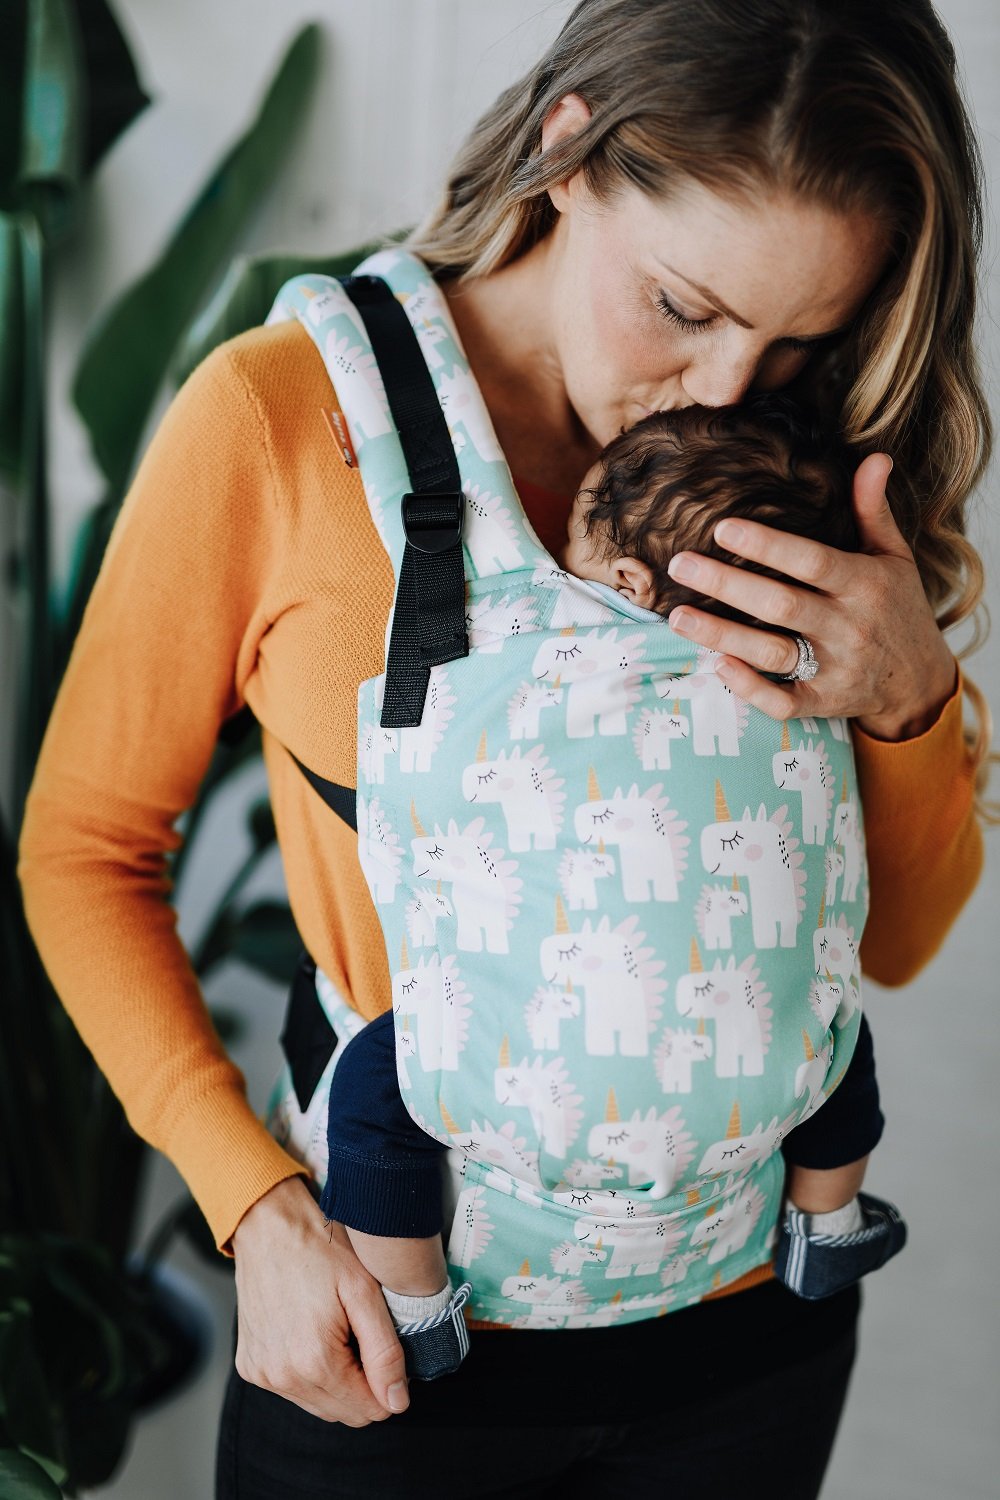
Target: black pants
(737, 1397)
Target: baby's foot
(431, 1330)
(814, 1260)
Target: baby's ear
(635, 579)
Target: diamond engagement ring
(807, 666)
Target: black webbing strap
(428, 623)
(342, 799)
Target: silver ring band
(807, 666)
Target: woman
(680, 203)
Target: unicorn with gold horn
(599, 669)
(738, 1151)
(655, 728)
(526, 706)
(579, 871)
(718, 718)
(761, 850)
(716, 907)
(807, 772)
(547, 1298)
(529, 793)
(847, 833)
(810, 1076)
(652, 844)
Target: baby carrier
(621, 907)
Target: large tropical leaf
(244, 299)
(127, 355)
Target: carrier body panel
(621, 907)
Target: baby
(657, 489)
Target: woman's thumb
(877, 528)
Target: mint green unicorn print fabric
(621, 907)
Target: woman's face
(661, 304)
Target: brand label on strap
(337, 424)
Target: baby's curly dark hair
(667, 482)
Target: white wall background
(403, 79)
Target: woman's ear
(565, 119)
(634, 579)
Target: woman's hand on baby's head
(882, 659)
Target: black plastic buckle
(437, 534)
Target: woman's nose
(717, 381)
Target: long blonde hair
(851, 104)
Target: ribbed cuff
(892, 772)
(402, 1202)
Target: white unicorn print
(418, 742)
(655, 1148)
(485, 891)
(524, 710)
(763, 850)
(573, 602)
(714, 913)
(622, 991)
(737, 1000)
(471, 1228)
(834, 950)
(599, 671)
(650, 837)
(826, 996)
(464, 408)
(653, 732)
(807, 771)
(433, 991)
(379, 850)
(493, 620)
(376, 745)
(406, 1051)
(423, 912)
(569, 1258)
(847, 833)
(810, 1076)
(368, 406)
(833, 868)
(676, 1055)
(838, 728)
(546, 1091)
(529, 793)
(550, 1298)
(640, 1242)
(544, 1012)
(502, 1150)
(728, 1225)
(737, 1153)
(579, 872)
(718, 717)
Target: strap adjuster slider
(441, 529)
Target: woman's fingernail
(723, 669)
(679, 620)
(683, 566)
(399, 1398)
(729, 531)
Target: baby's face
(579, 555)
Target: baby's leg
(821, 1192)
(412, 1267)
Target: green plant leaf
(244, 298)
(22, 1478)
(127, 354)
(265, 937)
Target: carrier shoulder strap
(428, 623)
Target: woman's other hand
(300, 1292)
(882, 659)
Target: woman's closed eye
(701, 325)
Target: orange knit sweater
(244, 567)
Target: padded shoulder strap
(428, 620)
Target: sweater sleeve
(168, 637)
(924, 842)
